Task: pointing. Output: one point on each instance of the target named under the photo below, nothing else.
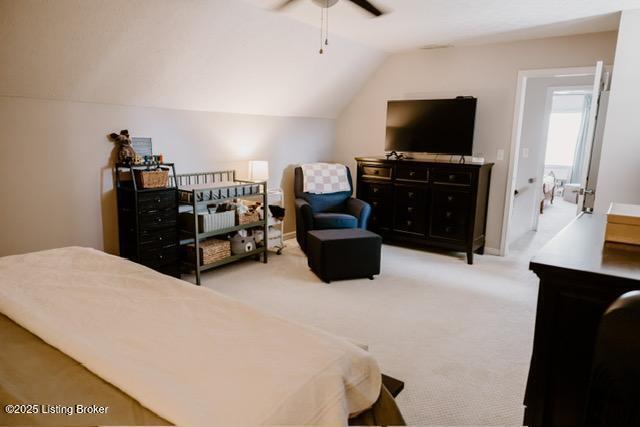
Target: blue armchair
(327, 211)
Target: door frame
(516, 133)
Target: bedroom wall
(488, 72)
(619, 173)
(55, 162)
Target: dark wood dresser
(580, 277)
(148, 226)
(439, 204)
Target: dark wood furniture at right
(580, 277)
(431, 203)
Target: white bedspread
(191, 355)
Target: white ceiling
(241, 57)
(211, 55)
(415, 23)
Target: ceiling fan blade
(368, 7)
(284, 4)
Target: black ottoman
(347, 253)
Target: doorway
(565, 149)
(550, 155)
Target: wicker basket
(208, 221)
(152, 179)
(248, 217)
(211, 250)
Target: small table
(339, 254)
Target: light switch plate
(525, 153)
(500, 155)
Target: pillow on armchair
(327, 210)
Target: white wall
(619, 172)
(55, 170)
(535, 127)
(488, 72)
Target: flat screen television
(442, 126)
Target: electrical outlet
(500, 155)
(525, 153)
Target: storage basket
(152, 178)
(248, 217)
(211, 250)
(208, 222)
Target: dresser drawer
(158, 219)
(410, 219)
(448, 231)
(158, 237)
(370, 190)
(159, 256)
(410, 196)
(377, 171)
(451, 177)
(449, 213)
(412, 173)
(157, 200)
(380, 214)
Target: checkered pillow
(323, 178)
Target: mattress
(188, 354)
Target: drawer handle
(410, 194)
(375, 189)
(409, 209)
(409, 223)
(448, 214)
(450, 198)
(159, 219)
(376, 172)
(452, 177)
(412, 173)
(160, 238)
(447, 229)
(158, 200)
(375, 204)
(161, 256)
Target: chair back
(614, 392)
(330, 202)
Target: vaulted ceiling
(411, 24)
(213, 55)
(239, 56)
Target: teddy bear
(126, 153)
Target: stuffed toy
(241, 243)
(126, 153)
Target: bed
(83, 327)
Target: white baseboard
(491, 251)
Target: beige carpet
(460, 336)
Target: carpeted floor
(460, 336)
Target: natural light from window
(562, 138)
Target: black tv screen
(443, 126)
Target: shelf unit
(275, 197)
(199, 188)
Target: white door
(599, 82)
